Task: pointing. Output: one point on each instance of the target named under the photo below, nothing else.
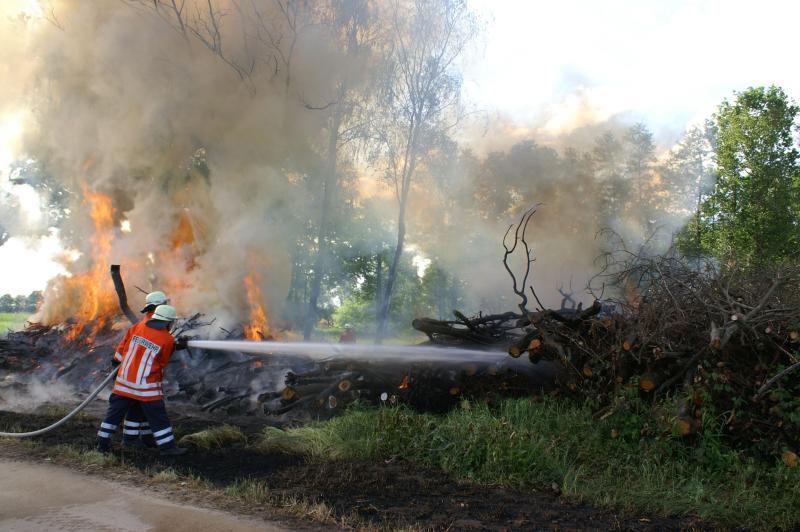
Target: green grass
(523, 443)
(14, 321)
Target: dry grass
(215, 438)
(300, 441)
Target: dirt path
(47, 497)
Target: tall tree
(350, 23)
(419, 100)
(752, 214)
(687, 177)
(638, 167)
(607, 157)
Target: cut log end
(288, 393)
(715, 341)
(789, 458)
(647, 383)
(682, 427)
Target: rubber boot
(102, 445)
(133, 443)
(149, 441)
(172, 451)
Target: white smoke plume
(207, 131)
(203, 165)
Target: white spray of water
(371, 353)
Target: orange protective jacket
(143, 354)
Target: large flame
(90, 292)
(178, 256)
(258, 328)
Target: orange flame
(90, 290)
(258, 327)
(183, 234)
(404, 384)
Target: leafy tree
(8, 303)
(33, 300)
(638, 167)
(688, 178)
(607, 156)
(752, 213)
(419, 102)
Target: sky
(549, 67)
(667, 63)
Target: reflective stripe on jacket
(143, 354)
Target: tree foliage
(752, 213)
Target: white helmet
(155, 298)
(165, 313)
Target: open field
(14, 321)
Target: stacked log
(429, 386)
(717, 339)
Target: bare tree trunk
(322, 243)
(383, 314)
(409, 164)
(441, 294)
(378, 287)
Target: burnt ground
(386, 494)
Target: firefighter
(142, 356)
(135, 429)
(348, 336)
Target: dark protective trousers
(135, 424)
(154, 412)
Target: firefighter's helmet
(155, 299)
(165, 313)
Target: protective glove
(115, 363)
(182, 342)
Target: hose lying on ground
(68, 416)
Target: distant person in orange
(348, 336)
(147, 348)
(135, 429)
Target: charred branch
(122, 296)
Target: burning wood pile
(79, 352)
(277, 384)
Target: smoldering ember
(398, 264)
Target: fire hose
(65, 418)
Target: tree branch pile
(718, 339)
(695, 339)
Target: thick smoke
(193, 156)
(588, 195)
(209, 134)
